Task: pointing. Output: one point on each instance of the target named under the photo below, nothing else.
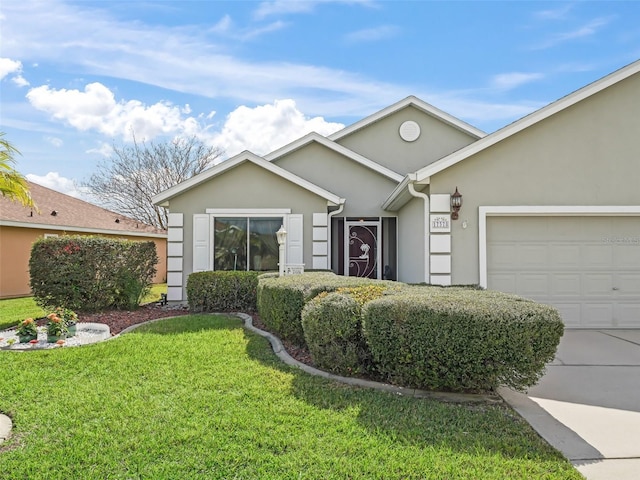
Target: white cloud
(54, 181)
(267, 127)
(373, 34)
(508, 81)
(55, 141)
(12, 68)
(96, 109)
(8, 66)
(104, 149)
(586, 30)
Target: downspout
(329, 239)
(425, 197)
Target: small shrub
(461, 339)
(222, 291)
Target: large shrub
(222, 291)
(281, 299)
(332, 325)
(461, 339)
(86, 273)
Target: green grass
(13, 310)
(200, 397)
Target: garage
(587, 266)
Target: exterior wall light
(281, 235)
(456, 203)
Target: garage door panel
(504, 283)
(598, 284)
(596, 315)
(627, 284)
(586, 266)
(563, 254)
(566, 284)
(533, 255)
(597, 256)
(627, 314)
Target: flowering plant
(27, 328)
(56, 326)
(68, 316)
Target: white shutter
(294, 228)
(201, 242)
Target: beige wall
(15, 251)
(381, 141)
(588, 154)
(411, 251)
(364, 189)
(246, 186)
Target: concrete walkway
(588, 403)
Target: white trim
(164, 197)
(64, 228)
(420, 105)
(540, 211)
(253, 212)
(336, 147)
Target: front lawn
(200, 397)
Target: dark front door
(362, 249)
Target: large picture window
(246, 243)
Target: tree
(135, 173)
(12, 184)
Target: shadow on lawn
(474, 428)
(192, 323)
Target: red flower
(33, 341)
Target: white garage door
(587, 267)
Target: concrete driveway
(588, 403)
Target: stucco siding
(586, 154)
(246, 187)
(382, 143)
(411, 244)
(364, 189)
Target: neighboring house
(551, 204)
(60, 215)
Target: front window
(246, 243)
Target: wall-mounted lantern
(456, 203)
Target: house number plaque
(440, 223)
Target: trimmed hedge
(461, 340)
(222, 291)
(281, 299)
(86, 273)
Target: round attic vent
(409, 131)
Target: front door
(362, 249)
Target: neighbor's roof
(63, 212)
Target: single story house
(60, 214)
(547, 207)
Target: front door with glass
(362, 249)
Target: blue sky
(78, 76)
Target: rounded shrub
(332, 329)
(461, 339)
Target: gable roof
(398, 197)
(356, 157)
(63, 212)
(406, 102)
(246, 156)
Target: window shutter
(294, 239)
(201, 242)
